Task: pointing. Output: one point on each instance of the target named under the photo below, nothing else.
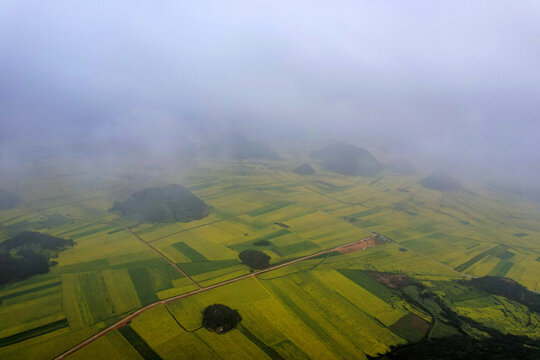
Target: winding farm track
(124, 321)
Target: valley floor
(315, 302)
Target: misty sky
(451, 79)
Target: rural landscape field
(192, 180)
(382, 262)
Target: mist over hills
(304, 169)
(237, 146)
(8, 200)
(348, 159)
(402, 166)
(440, 180)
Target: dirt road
(200, 289)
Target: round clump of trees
(255, 259)
(220, 318)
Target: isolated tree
(255, 259)
(220, 318)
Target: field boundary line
(127, 319)
(198, 226)
(164, 258)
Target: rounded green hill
(348, 159)
(162, 204)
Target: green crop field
(328, 307)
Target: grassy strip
(202, 267)
(501, 269)
(190, 252)
(272, 354)
(498, 251)
(272, 235)
(366, 213)
(75, 229)
(40, 330)
(269, 208)
(291, 351)
(138, 343)
(89, 232)
(260, 241)
(361, 278)
(115, 231)
(143, 285)
(282, 225)
(295, 248)
(376, 180)
(411, 327)
(29, 291)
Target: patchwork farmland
(328, 305)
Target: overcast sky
(455, 79)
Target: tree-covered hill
(162, 204)
(348, 159)
(27, 254)
(440, 180)
(304, 169)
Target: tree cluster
(440, 180)
(304, 169)
(255, 259)
(162, 204)
(348, 159)
(220, 318)
(27, 254)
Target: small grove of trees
(220, 318)
(255, 259)
(162, 204)
(33, 240)
(27, 254)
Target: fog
(448, 82)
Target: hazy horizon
(448, 83)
